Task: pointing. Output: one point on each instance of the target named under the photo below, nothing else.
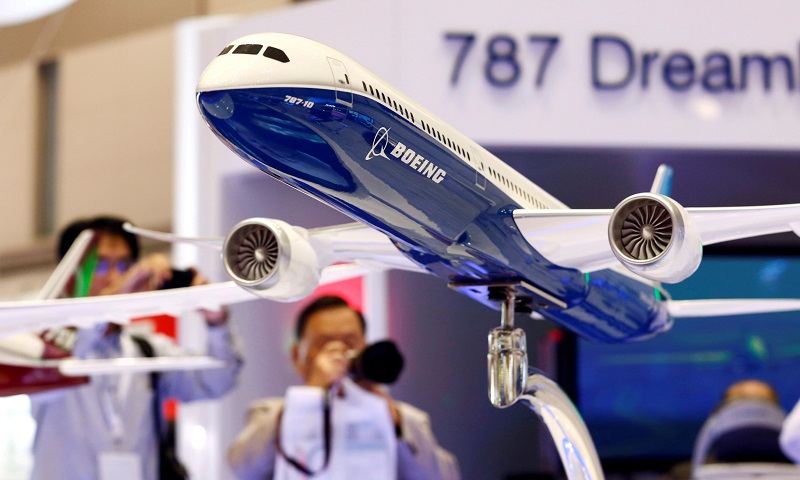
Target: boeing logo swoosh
(379, 144)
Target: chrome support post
(507, 310)
(512, 380)
(570, 435)
(507, 358)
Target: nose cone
(268, 59)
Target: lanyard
(114, 390)
(109, 402)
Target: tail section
(662, 184)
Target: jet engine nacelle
(654, 237)
(272, 259)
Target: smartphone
(180, 279)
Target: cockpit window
(248, 49)
(226, 50)
(276, 54)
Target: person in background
(107, 428)
(328, 334)
(743, 428)
(790, 434)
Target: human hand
(197, 278)
(329, 366)
(215, 318)
(146, 275)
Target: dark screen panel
(646, 401)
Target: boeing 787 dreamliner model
(429, 199)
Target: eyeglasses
(105, 265)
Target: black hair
(325, 302)
(103, 224)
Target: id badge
(119, 466)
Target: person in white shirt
(110, 423)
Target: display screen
(646, 401)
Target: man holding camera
(329, 335)
(108, 427)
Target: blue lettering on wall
(678, 71)
(616, 64)
(718, 74)
(766, 67)
(602, 45)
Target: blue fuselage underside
(458, 230)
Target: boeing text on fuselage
(405, 155)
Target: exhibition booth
(586, 99)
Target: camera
(180, 279)
(380, 362)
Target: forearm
(223, 345)
(212, 382)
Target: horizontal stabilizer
(721, 307)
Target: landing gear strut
(511, 380)
(508, 357)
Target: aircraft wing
(732, 306)
(21, 374)
(353, 243)
(579, 238)
(37, 315)
(203, 242)
(570, 238)
(361, 245)
(343, 251)
(75, 367)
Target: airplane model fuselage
(321, 123)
